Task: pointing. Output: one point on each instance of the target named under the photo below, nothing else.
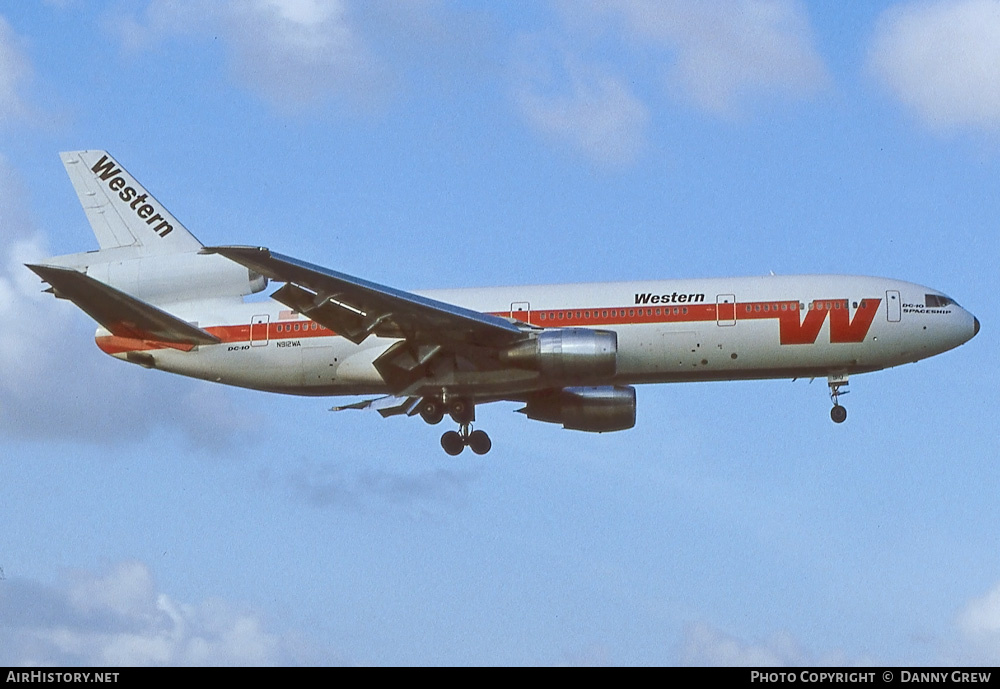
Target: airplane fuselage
(667, 331)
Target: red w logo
(843, 328)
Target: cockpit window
(937, 301)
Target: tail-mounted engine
(567, 352)
(177, 277)
(595, 409)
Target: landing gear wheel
(452, 443)
(431, 411)
(461, 411)
(479, 442)
(837, 385)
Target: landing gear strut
(838, 413)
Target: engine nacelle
(595, 409)
(178, 277)
(568, 352)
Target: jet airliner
(571, 354)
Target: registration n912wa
(571, 354)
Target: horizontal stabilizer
(121, 314)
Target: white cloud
(21, 301)
(582, 105)
(714, 54)
(979, 623)
(977, 642)
(292, 53)
(295, 52)
(15, 70)
(703, 644)
(981, 616)
(720, 52)
(942, 59)
(120, 618)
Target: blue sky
(149, 519)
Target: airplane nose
(976, 326)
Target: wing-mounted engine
(567, 352)
(594, 409)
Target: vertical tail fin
(121, 212)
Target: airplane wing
(356, 309)
(120, 313)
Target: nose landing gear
(838, 413)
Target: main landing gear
(463, 412)
(838, 413)
(454, 442)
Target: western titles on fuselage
(673, 298)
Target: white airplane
(569, 353)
